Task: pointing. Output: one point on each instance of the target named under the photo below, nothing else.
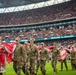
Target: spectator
(62, 11)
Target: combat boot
(31, 74)
(55, 71)
(66, 69)
(1, 73)
(27, 73)
(34, 73)
(44, 73)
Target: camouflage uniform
(43, 57)
(55, 56)
(33, 59)
(20, 57)
(73, 59)
(26, 66)
(37, 65)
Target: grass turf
(10, 71)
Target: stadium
(46, 21)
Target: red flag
(68, 50)
(39, 48)
(63, 55)
(2, 55)
(49, 48)
(10, 47)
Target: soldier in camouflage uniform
(73, 58)
(26, 66)
(55, 57)
(43, 58)
(38, 62)
(20, 57)
(33, 57)
(37, 65)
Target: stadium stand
(55, 12)
(40, 15)
(46, 32)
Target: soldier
(64, 61)
(55, 57)
(43, 58)
(26, 66)
(73, 58)
(33, 57)
(20, 57)
(37, 65)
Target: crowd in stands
(64, 42)
(55, 12)
(46, 32)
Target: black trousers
(65, 63)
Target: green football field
(10, 71)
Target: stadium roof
(10, 3)
(7, 6)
